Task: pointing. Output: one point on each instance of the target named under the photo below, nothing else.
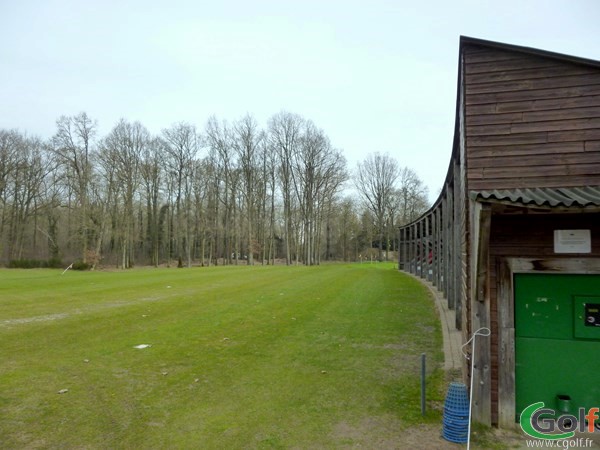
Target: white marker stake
(483, 331)
(70, 266)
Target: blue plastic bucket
(456, 414)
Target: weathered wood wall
(531, 121)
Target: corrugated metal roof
(577, 197)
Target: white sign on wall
(572, 241)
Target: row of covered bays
(513, 240)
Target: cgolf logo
(534, 425)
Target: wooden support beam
(402, 250)
(457, 263)
(425, 247)
(420, 258)
(434, 238)
(437, 253)
(506, 347)
(450, 250)
(483, 252)
(444, 250)
(413, 249)
(480, 222)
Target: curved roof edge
(466, 40)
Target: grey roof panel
(577, 197)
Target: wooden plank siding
(522, 107)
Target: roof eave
(466, 40)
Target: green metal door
(557, 340)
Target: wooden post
(450, 250)
(437, 255)
(415, 229)
(434, 237)
(407, 249)
(413, 256)
(446, 245)
(402, 249)
(430, 246)
(421, 234)
(426, 244)
(506, 347)
(457, 272)
(480, 309)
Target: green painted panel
(557, 348)
(546, 368)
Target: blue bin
(457, 398)
(456, 414)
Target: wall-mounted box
(586, 317)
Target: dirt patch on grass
(390, 346)
(26, 320)
(90, 309)
(388, 432)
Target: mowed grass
(240, 357)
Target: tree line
(227, 194)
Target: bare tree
(183, 144)
(53, 191)
(411, 196)
(333, 177)
(285, 131)
(201, 188)
(247, 139)
(123, 148)
(25, 190)
(267, 189)
(72, 145)
(220, 143)
(132, 197)
(375, 181)
(10, 143)
(347, 222)
(103, 202)
(151, 173)
(317, 174)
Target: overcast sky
(374, 75)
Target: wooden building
(517, 223)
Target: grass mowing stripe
(246, 357)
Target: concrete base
(453, 357)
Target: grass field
(239, 357)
